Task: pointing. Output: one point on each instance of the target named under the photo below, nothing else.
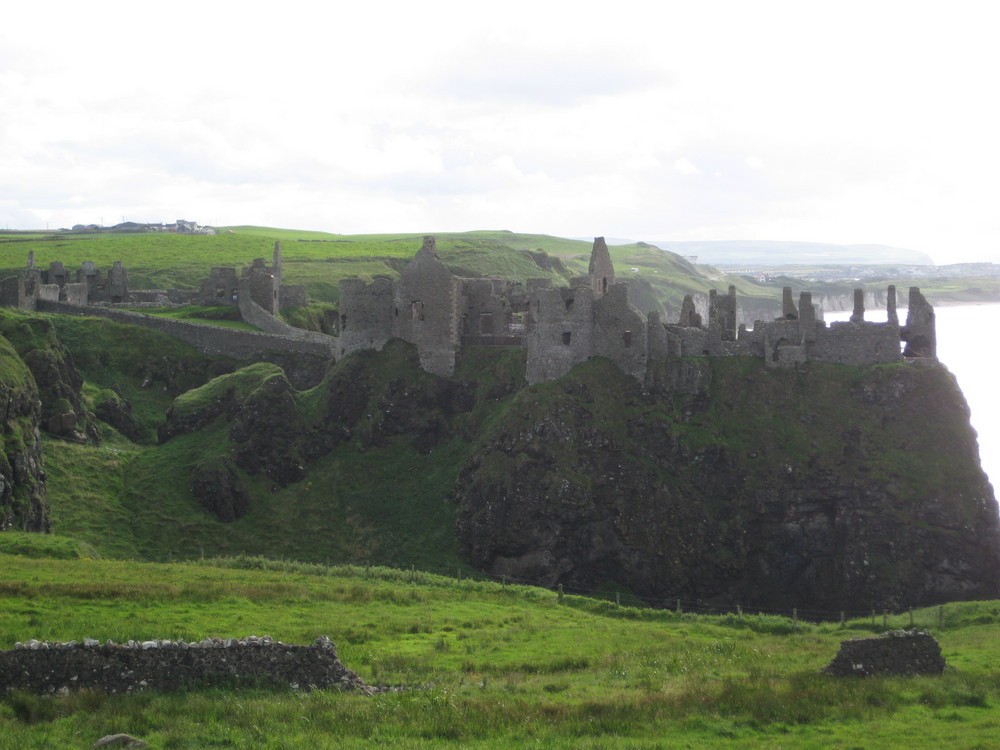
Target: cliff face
(22, 481)
(824, 488)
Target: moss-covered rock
(827, 487)
(22, 479)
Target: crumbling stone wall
(561, 337)
(486, 308)
(75, 294)
(222, 287)
(255, 315)
(366, 315)
(42, 667)
(259, 284)
(292, 295)
(898, 652)
(425, 310)
(601, 272)
(919, 334)
(620, 331)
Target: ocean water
(963, 349)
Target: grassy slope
(383, 503)
(487, 666)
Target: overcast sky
(843, 122)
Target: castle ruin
(558, 327)
(561, 327)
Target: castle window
(604, 285)
(567, 335)
(416, 310)
(343, 322)
(627, 338)
(569, 304)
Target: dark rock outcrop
(896, 653)
(22, 478)
(218, 489)
(116, 410)
(58, 381)
(265, 432)
(822, 488)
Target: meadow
(483, 664)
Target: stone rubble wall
(898, 652)
(46, 668)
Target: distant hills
(775, 253)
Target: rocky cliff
(22, 481)
(822, 487)
(826, 487)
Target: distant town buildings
(180, 226)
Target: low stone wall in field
(43, 668)
(898, 652)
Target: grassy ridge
(488, 666)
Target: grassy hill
(483, 665)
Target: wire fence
(922, 617)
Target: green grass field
(483, 665)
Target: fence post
(873, 618)
(885, 618)
(560, 592)
(503, 582)
(618, 598)
(941, 617)
(678, 610)
(795, 615)
(841, 618)
(459, 575)
(739, 610)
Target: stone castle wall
(366, 315)
(562, 334)
(255, 315)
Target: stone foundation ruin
(898, 652)
(46, 668)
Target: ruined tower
(602, 273)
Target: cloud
(539, 79)
(684, 166)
